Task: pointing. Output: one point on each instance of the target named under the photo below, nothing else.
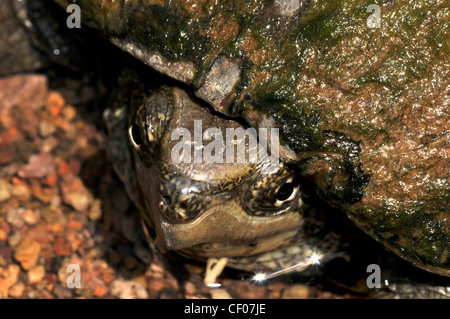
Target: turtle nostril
(177, 208)
(181, 210)
(164, 203)
(167, 200)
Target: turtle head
(204, 194)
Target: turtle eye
(286, 192)
(135, 136)
(273, 194)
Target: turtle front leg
(214, 267)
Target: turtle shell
(360, 94)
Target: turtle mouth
(239, 248)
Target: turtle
(362, 110)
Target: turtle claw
(214, 267)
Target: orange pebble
(64, 168)
(100, 291)
(51, 179)
(55, 102)
(13, 131)
(75, 224)
(18, 181)
(108, 277)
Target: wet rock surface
(62, 205)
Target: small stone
(75, 194)
(75, 166)
(29, 89)
(36, 274)
(15, 239)
(244, 289)
(49, 144)
(3, 261)
(27, 253)
(78, 200)
(55, 102)
(18, 181)
(5, 190)
(40, 234)
(51, 281)
(64, 125)
(276, 289)
(3, 234)
(100, 291)
(64, 168)
(156, 285)
(156, 268)
(108, 276)
(61, 247)
(61, 292)
(326, 295)
(75, 224)
(96, 210)
(20, 96)
(14, 271)
(94, 253)
(38, 166)
(51, 179)
(63, 274)
(8, 277)
(46, 129)
(35, 188)
(21, 191)
(51, 215)
(189, 288)
(30, 217)
(128, 290)
(219, 293)
(17, 290)
(6, 156)
(140, 278)
(15, 216)
(69, 112)
(173, 282)
(8, 169)
(296, 292)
